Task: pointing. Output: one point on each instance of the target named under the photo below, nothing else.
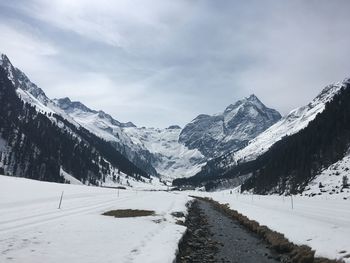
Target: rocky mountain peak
(251, 101)
(4, 60)
(67, 105)
(21, 81)
(231, 130)
(77, 107)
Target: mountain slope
(21, 81)
(170, 152)
(229, 131)
(334, 179)
(164, 149)
(293, 122)
(181, 153)
(105, 126)
(40, 146)
(97, 122)
(289, 164)
(171, 158)
(290, 124)
(297, 159)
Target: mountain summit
(231, 130)
(21, 81)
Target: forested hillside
(292, 162)
(37, 146)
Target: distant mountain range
(45, 146)
(289, 154)
(231, 130)
(171, 152)
(248, 144)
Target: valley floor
(33, 230)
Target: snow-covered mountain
(290, 124)
(147, 148)
(181, 153)
(172, 159)
(229, 131)
(174, 152)
(22, 82)
(75, 108)
(171, 152)
(45, 146)
(279, 159)
(106, 127)
(97, 122)
(157, 147)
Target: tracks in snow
(22, 216)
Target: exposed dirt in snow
(124, 213)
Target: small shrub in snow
(345, 181)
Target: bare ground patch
(124, 213)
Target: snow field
(330, 180)
(32, 229)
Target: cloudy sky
(162, 62)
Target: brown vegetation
(129, 213)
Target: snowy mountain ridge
(70, 106)
(172, 158)
(183, 152)
(230, 130)
(45, 146)
(245, 130)
(97, 122)
(21, 81)
(290, 124)
(306, 141)
(108, 128)
(122, 135)
(168, 152)
(159, 147)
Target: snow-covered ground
(330, 180)
(321, 222)
(32, 229)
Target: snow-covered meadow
(32, 229)
(321, 222)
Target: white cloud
(23, 46)
(157, 62)
(113, 22)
